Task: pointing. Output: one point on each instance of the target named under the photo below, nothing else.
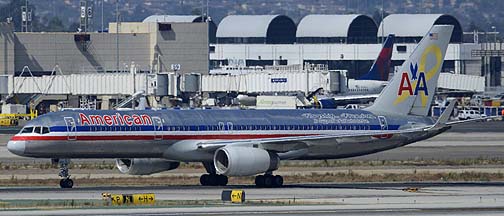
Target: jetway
(160, 84)
(461, 82)
(271, 81)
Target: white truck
(469, 114)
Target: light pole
(117, 35)
(382, 24)
(102, 16)
(495, 34)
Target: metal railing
(13, 119)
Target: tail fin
(381, 67)
(411, 90)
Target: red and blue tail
(381, 67)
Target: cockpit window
(39, 130)
(27, 130)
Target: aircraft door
(229, 127)
(383, 122)
(222, 126)
(71, 128)
(158, 128)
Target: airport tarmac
(302, 199)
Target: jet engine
(145, 166)
(244, 161)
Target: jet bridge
(161, 84)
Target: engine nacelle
(145, 166)
(244, 161)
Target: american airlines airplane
(246, 142)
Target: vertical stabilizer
(412, 88)
(381, 67)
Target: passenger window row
(267, 127)
(44, 130)
(115, 128)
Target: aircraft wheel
(259, 181)
(268, 181)
(204, 179)
(213, 180)
(66, 183)
(222, 180)
(277, 181)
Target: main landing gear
(268, 180)
(212, 179)
(65, 181)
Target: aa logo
(415, 82)
(421, 84)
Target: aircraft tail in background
(411, 90)
(381, 67)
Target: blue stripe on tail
(381, 67)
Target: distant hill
(481, 14)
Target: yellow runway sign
(234, 196)
(139, 199)
(133, 199)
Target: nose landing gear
(65, 181)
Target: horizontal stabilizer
(445, 116)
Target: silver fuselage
(175, 134)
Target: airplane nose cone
(16, 147)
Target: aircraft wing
(293, 146)
(355, 97)
(472, 120)
(286, 144)
(445, 116)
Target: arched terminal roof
(352, 28)
(173, 18)
(412, 27)
(270, 29)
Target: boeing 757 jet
(246, 142)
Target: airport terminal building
(149, 46)
(164, 45)
(348, 42)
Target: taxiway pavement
(302, 199)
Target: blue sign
(278, 80)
